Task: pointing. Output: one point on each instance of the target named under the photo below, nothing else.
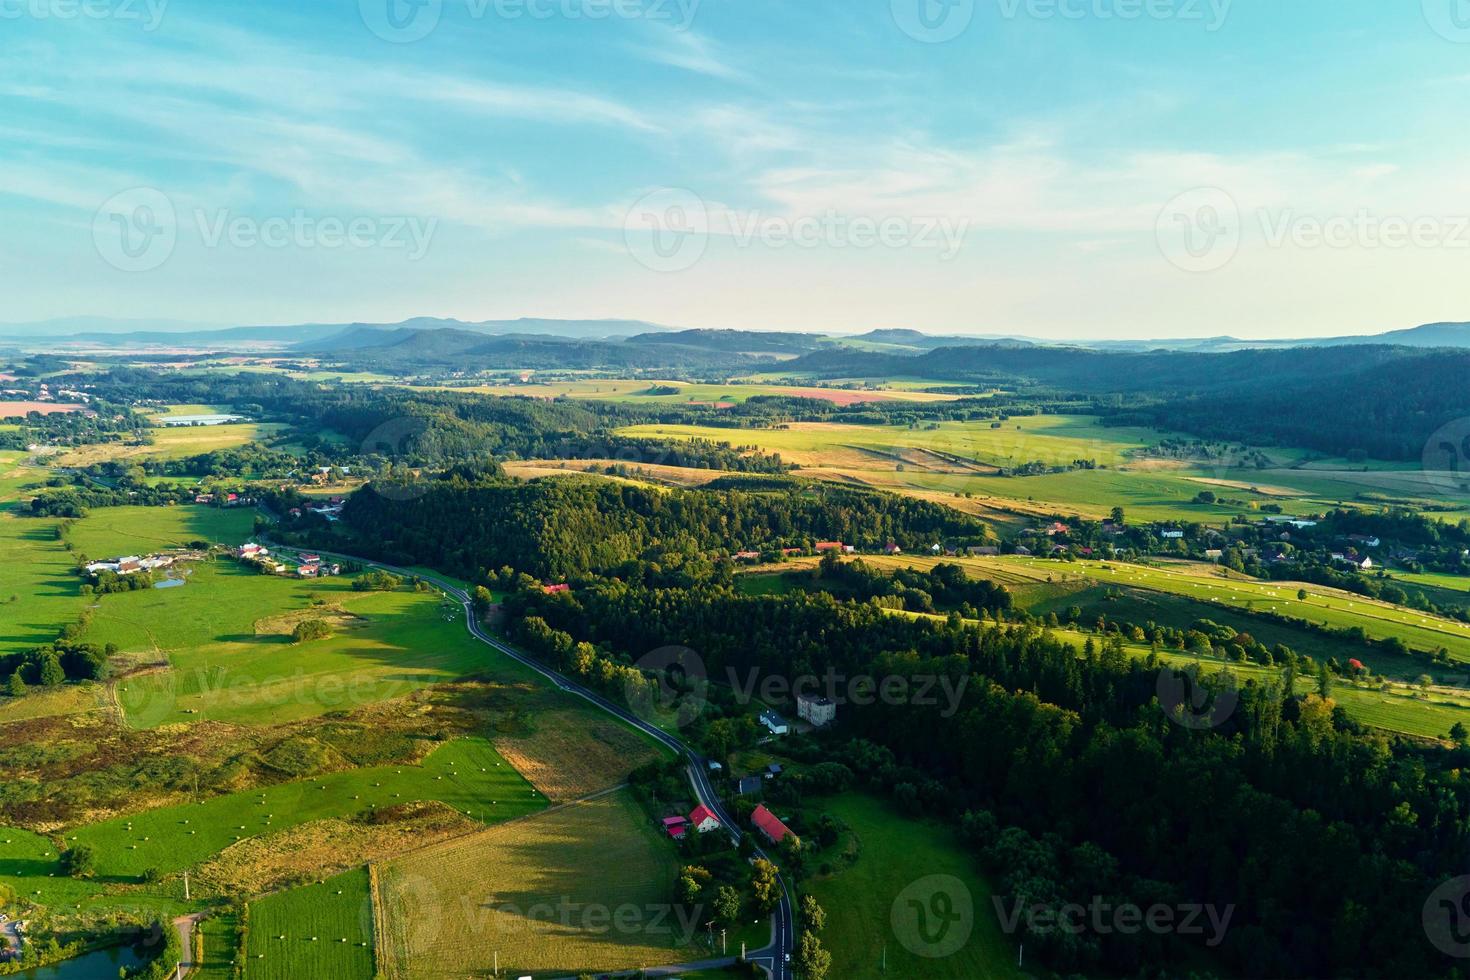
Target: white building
(817, 710)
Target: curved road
(774, 958)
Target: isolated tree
(813, 914)
(1458, 733)
(812, 959)
(79, 861)
(692, 882)
(51, 673)
(727, 905)
(765, 884)
(483, 600)
(310, 629)
(17, 684)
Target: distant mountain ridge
(122, 333)
(327, 337)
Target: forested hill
(1384, 401)
(559, 528)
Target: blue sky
(1055, 168)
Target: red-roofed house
(704, 819)
(554, 589)
(829, 546)
(767, 823)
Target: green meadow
(323, 931)
(959, 461)
(107, 532)
(30, 865)
(226, 636)
(466, 774)
(883, 861)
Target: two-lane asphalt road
(783, 940)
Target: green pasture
(466, 774)
(226, 637)
(107, 532)
(39, 591)
(323, 931)
(960, 459)
(30, 865)
(876, 866)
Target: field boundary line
(382, 963)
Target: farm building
(676, 827)
(768, 824)
(748, 786)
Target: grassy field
(466, 774)
(958, 462)
(30, 865)
(882, 856)
(221, 938)
(226, 636)
(1211, 589)
(174, 443)
(107, 532)
(40, 592)
(532, 892)
(322, 931)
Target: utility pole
(723, 947)
(186, 886)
